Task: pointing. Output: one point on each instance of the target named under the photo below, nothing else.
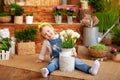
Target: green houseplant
(98, 50)
(70, 13)
(27, 34)
(25, 39)
(18, 13)
(5, 17)
(5, 44)
(18, 9)
(58, 12)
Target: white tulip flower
(69, 38)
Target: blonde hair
(40, 26)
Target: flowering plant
(57, 10)
(70, 11)
(68, 38)
(115, 51)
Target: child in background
(52, 42)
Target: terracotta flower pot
(116, 57)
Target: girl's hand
(74, 54)
(39, 61)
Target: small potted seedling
(29, 18)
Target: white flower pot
(66, 61)
(4, 55)
(58, 19)
(5, 33)
(29, 19)
(70, 19)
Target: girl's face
(48, 32)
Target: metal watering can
(91, 34)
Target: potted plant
(98, 50)
(5, 45)
(29, 18)
(18, 18)
(58, 12)
(115, 53)
(25, 39)
(68, 38)
(5, 17)
(70, 12)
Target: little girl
(52, 42)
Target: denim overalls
(54, 63)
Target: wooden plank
(11, 73)
(43, 2)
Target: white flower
(62, 38)
(69, 38)
(69, 31)
(62, 33)
(77, 35)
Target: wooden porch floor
(11, 73)
(25, 68)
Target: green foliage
(29, 14)
(18, 9)
(107, 17)
(70, 11)
(116, 33)
(57, 10)
(5, 44)
(98, 5)
(27, 34)
(99, 47)
(69, 43)
(106, 20)
(68, 38)
(4, 14)
(1, 6)
(115, 51)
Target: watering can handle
(116, 23)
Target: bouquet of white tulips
(68, 38)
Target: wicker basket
(97, 53)
(26, 48)
(5, 19)
(107, 41)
